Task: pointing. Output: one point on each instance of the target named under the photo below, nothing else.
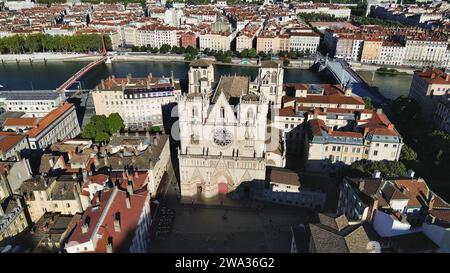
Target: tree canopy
(19, 44)
(365, 168)
(100, 127)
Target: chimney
(376, 174)
(431, 205)
(433, 75)
(372, 210)
(366, 131)
(390, 126)
(85, 175)
(128, 200)
(117, 222)
(330, 130)
(447, 77)
(410, 174)
(136, 174)
(85, 226)
(379, 111)
(109, 247)
(103, 84)
(361, 185)
(348, 92)
(130, 188)
(18, 156)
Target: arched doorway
(199, 188)
(223, 188)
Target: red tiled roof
(20, 122)
(129, 218)
(8, 141)
(99, 179)
(49, 119)
(286, 112)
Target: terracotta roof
(129, 218)
(8, 141)
(49, 119)
(20, 122)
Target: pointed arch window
(194, 112)
(222, 112)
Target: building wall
(439, 235)
(215, 41)
(371, 51)
(16, 225)
(386, 226)
(66, 126)
(306, 43)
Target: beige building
(13, 220)
(139, 101)
(374, 138)
(427, 88)
(371, 50)
(156, 36)
(272, 42)
(216, 41)
(57, 125)
(52, 194)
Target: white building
(57, 125)
(304, 41)
(216, 41)
(32, 103)
(156, 36)
(119, 222)
(139, 101)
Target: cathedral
(223, 129)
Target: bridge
(343, 74)
(75, 77)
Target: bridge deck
(75, 77)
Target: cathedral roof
(231, 87)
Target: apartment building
(425, 51)
(117, 222)
(391, 53)
(156, 36)
(139, 101)
(428, 86)
(216, 40)
(52, 194)
(247, 36)
(59, 124)
(269, 41)
(323, 8)
(344, 45)
(371, 50)
(12, 145)
(441, 118)
(13, 174)
(396, 207)
(13, 220)
(373, 138)
(303, 102)
(304, 41)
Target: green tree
(89, 131)
(407, 154)
(115, 123)
(165, 48)
(367, 102)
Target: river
(390, 86)
(36, 76)
(26, 76)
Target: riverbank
(373, 68)
(136, 57)
(46, 57)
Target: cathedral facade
(223, 130)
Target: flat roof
(30, 95)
